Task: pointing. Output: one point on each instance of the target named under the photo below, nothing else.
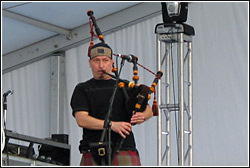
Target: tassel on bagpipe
(152, 90)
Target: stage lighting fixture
(173, 8)
(174, 12)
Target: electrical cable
(173, 81)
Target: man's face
(100, 63)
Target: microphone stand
(107, 122)
(4, 110)
(4, 126)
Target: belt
(83, 148)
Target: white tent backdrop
(220, 74)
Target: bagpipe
(136, 102)
(139, 99)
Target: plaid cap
(100, 49)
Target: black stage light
(174, 12)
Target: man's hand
(137, 118)
(121, 127)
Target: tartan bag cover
(124, 158)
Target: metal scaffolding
(175, 35)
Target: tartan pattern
(124, 158)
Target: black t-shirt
(94, 96)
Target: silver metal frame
(57, 83)
(180, 39)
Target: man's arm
(84, 120)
